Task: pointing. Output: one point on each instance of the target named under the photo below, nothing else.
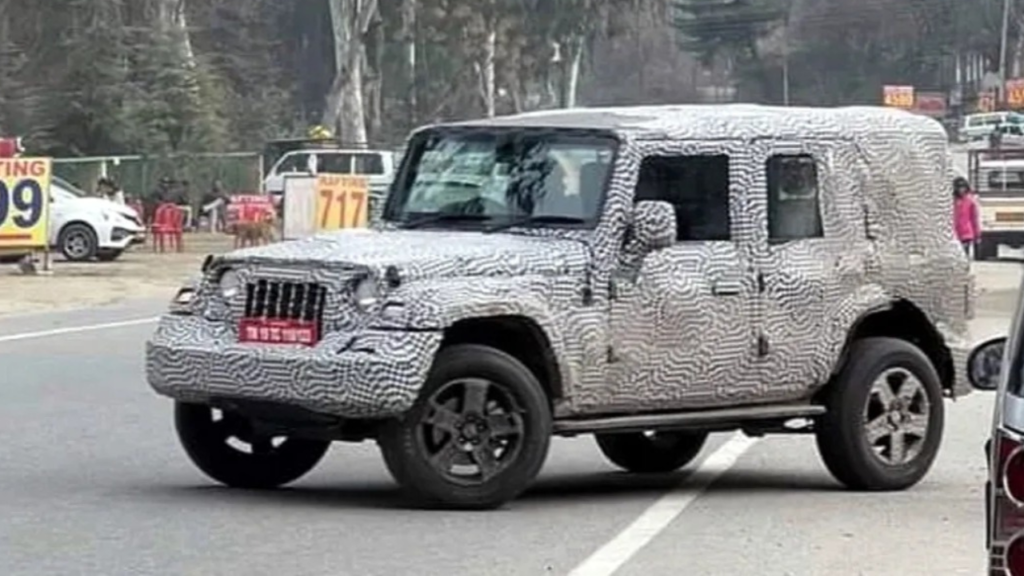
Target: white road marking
(610, 557)
(77, 329)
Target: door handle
(727, 288)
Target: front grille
(271, 300)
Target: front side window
(503, 176)
(696, 186)
(794, 212)
(293, 163)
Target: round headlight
(366, 293)
(230, 284)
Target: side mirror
(653, 227)
(985, 364)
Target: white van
(378, 165)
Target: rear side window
(794, 210)
(368, 164)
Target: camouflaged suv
(648, 275)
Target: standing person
(966, 217)
(107, 188)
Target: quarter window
(698, 189)
(794, 212)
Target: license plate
(1009, 216)
(264, 331)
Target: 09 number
(26, 200)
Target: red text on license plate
(264, 331)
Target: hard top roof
(741, 121)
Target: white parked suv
(84, 227)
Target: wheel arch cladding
(81, 223)
(519, 336)
(904, 320)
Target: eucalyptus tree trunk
(345, 110)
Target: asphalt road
(93, 482)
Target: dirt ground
(139, 273)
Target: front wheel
(651, 453)
(885, 417)
(77, 242)
(477, 435)
(229, 449)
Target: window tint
(793, 199)
(696, 186)
(368, 164)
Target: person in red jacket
(966, 216)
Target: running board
(711, 420)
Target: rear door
(812, 260)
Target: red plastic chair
(168, 223)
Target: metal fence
(138, 175)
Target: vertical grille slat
(274, 300)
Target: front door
(813, 259)
(684, 318)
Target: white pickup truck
(377, 165)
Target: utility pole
(1002, 52)
(785, 62)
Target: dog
(255, 233)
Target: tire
(855, 398)
(77, 242)
(108, 255)
(206, 443)
(658, 453)
(512, 398)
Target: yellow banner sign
(342, 201)
(898, 96)
(1015, 93)
(25, 202)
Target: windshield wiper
(539, 219)
(444, 217)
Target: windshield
(1006, 182)
(504, 175)
(61, 189)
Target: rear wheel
(651, 453)
(885, 417)
(229, 449)
(478, 434)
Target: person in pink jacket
(966, 217)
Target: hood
(427, 253)
(104, 205)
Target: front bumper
(121, 237)
(369, 374)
